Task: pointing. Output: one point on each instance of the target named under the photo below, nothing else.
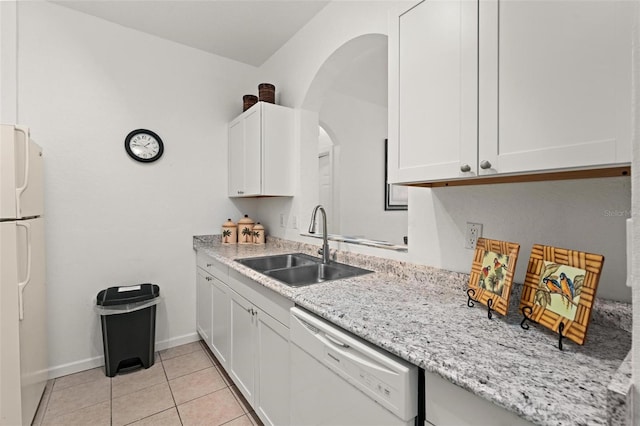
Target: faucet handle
(320, 250)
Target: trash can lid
(127, 294)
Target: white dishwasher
(339, 379)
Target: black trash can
(128, 317)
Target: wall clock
(144, 145)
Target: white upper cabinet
(555, 84)
(261, 152)
(509, 87)
(437, 91)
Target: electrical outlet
(474, 231)
(294, 222)
(281, 220)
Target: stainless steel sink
(297, 270)
(318, 273)
(278, 261)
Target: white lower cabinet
(259, 360)
(242, 358)
(220, 331)
(246, 326)
(272, 387)
(448, 404)
(203, 305)
(212, 307)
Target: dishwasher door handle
(336, 341)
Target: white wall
(359, 129)
(8, 52)
(571, 214)
(293, 69)
(84, 84)
(587, 215)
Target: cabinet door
(436, 54)
(236, 158)
(203, 305)
(220, 333)
(242, 355)
(277, 150)
(555, 84)
(272, 392)
(253, 151)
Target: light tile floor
(185, 386)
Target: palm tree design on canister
(245, 229)
(246, 232)
(258, 234)
(229, 232)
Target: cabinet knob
(240, 192)
(207, 278)
(484, 165)
(209, 265)
(465, 168)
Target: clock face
(144, 145)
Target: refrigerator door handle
(22, 188)
(23, 284)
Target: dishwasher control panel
(360, 376)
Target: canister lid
(246, 220)
(258, 227)
(229, 224)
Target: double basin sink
(298, 269)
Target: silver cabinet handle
(208, 278)
(209, 265)
(240, 192)
(465, 168)
(485, 165)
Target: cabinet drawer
(267, 300)
(212, 266)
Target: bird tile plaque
(560, 286)
(494, 263)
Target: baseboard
(75, 367)
(177, 341)
(89, 363)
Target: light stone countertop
(420, 314)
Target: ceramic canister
(245, 230)
(258, 234)
(229, 232)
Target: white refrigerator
(23, 333)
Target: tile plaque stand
(526, 313)
(470, 293)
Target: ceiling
(248, 31)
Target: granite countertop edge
(465, 368)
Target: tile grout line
(235, 418)
(171, 391)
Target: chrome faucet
(324, 251)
